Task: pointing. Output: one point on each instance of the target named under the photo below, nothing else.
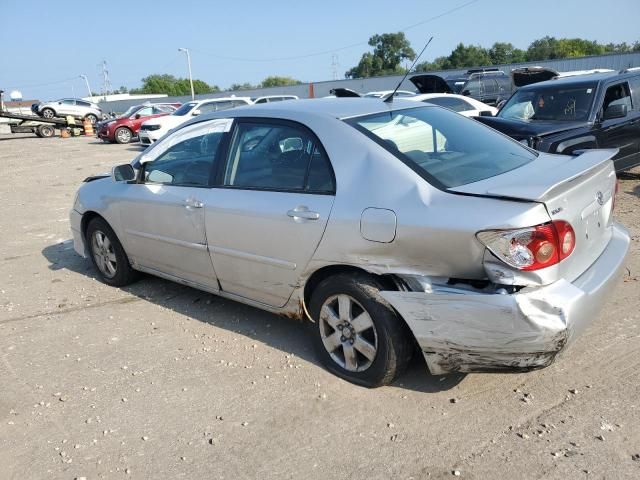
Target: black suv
(565, 114)
(488, 85)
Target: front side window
(145, 112)
(184, 109)
(557, 103)
(189, 162)
(617, 95)
(447, 149)
(275, 156)
(68, 102)
(472, 87)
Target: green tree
(501, 53)
(389, 50)
(275, 81)
(170, 85)
(241, 86)
(468, 56)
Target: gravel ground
(158, 380)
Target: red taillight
(531, 248)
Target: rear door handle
(303, 212)
(193, 203)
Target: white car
(383, 93)
(274, 98)
(153, 129)
(467, 106)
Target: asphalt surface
(158, 380)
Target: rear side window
(446, 149)
(275, 156)
(635, 92)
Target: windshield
(184, 109)
(444, 147)
(559, 103)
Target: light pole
(86, 80)
(186, 50)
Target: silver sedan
(390, 226)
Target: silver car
(74, 107)
(390, 226)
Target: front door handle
(193, 203)
(303, 212)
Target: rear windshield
(568, 103)
(444, 147)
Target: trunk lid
(430, 84)
(529, 75)
(577, 189)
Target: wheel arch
(86, 219)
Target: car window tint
(455, 104)
(69, 102)
(472, 87)
(277, 157)
(187, 163)
(617, 95)
(143, 112)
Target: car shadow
(289, 336)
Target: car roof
(577, 80)
(340, 108)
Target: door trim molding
(274, 262)
(172, 241)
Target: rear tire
(45, 131)
(357, 334)
(92, 118)
(107, 255)
(123, 135)
(47, 113)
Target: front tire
(357, 334)
(48, 113)
(123, 135)
(107, 255)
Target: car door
(163, 214)
(489, 89)
(268, 214)
(621, 133)
(66, 107)
(634, 82)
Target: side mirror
(137, 116)
(196, 112)
(123, 173)
(466, 93)
(486, 113)
(615, 111)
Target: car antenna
(390, 97)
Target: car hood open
(529, 75)
(533, 128)
(430, 83)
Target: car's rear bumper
(146, 137)
(465, 331)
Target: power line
(333, 50)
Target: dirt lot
(163, 381)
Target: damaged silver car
(391, 226)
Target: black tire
(123, 273)
(47, 113)
(92, 118)
(393, 339)
(45, 131)
(123, 135)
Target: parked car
(571, 113)
(388, 225)
(75, 107)
(384, 93)
(489, 86)
(124, 129)
(467, 106)
(151, 130)
(273, 98)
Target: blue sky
(245, 41)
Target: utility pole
(86, 80)
(334, 66)
(186, 50)
(106, 83)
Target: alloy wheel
(348, 333)
(104, 254)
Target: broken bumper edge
(466, 331)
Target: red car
(125, 128)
